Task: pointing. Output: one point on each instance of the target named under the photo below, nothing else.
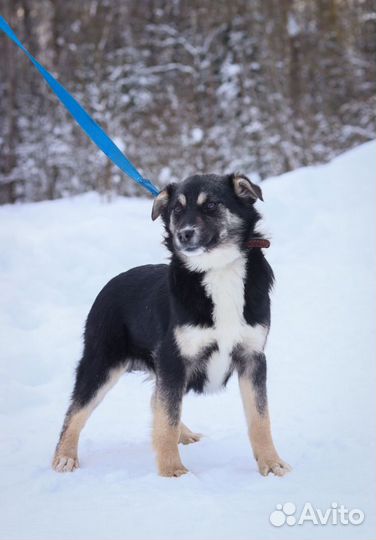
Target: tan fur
(245, 188)
(260, 433)
(66, 459)
(202, 197)
(182, 199)
(187, 436)
(165, 441)
(160, 202)
(66, 454)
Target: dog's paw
(273, 465)
(62, 463)
(173, 470)
(189, 437)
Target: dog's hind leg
(90, 388)
(187, 436)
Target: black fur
(133, 319)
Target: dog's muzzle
(187, 239)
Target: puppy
(191, 324)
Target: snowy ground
(54, 259)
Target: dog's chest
(225, 286)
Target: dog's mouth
(192, 251)
(197, 248)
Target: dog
(191, 324)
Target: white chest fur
(225, 286)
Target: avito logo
(336, 514)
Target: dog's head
(208, 218)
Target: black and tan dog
(192, 323)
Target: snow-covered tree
(257, 85)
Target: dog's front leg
(252, 382)
(166, 429)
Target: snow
(54, 259)
(165, 175)
(197, 135)
(292, 26)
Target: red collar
(257, 243)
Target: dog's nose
(185, 235)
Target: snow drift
(55, 257)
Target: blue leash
(91, 128)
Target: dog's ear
(161, 201)
(246, 189)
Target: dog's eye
(178, 208)
(210, 206)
